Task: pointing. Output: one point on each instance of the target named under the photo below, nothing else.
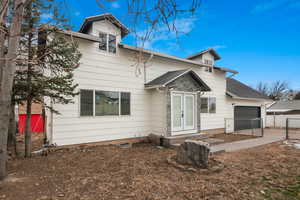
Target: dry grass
(141, 172)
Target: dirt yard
(142, 173)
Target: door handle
(182, 114)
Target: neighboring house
(280, 111)
(36, 121)
(122, 98)
(284, 108)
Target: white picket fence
(279, 121)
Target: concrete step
(178, 139)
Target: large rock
(193, 152)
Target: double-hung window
(208, 68)
(108, 42)
(104, 103)
(208, 105)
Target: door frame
(184, 131)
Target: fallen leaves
(142, 172)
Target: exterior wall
(216, 81)
(103, 71)
(158, 112)
(35, 108)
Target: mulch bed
(143, 173)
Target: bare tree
(8, 71)
(278, 89)
(150, 20)
(297, 96)
(263, 88)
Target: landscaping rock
(193, 152)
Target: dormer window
(208, 62)
(107, 42)
(208, 69)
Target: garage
(244, 115)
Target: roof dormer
(208, 52)
(107, 28)
(206, 57)
(108, 20)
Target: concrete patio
(270, 136)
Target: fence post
(287, 128)
(262, 127)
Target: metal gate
(292, 129)
(252, 127)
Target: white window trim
(94, 104)
(107, 43)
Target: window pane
(103, 41)
(212, 105)
(204, 105)
(106, 103)
(86, 103)
(112, 44)
(125, 103)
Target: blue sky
(258, 38)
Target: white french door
(183, 113)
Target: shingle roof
(171, 76)
(240, 90)
(285, 105)
(211, 50)
(106, 16)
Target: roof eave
(246, 98)
(88, 20)
(125, 46)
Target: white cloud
(46, 16)
(216, 47)
(183, 26)
(115, 5)
(274, 4)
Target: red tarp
(36, 123)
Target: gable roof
(236, 89)
(210, 50)
(285, 106)
(169, 77)
(106, 16)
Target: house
(286, 107)
(129, 92)
(280, 111)
(36, 121)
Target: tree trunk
(8, 72)
(29, 86)
(3, 8)
(12, 140)
(27, 129)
